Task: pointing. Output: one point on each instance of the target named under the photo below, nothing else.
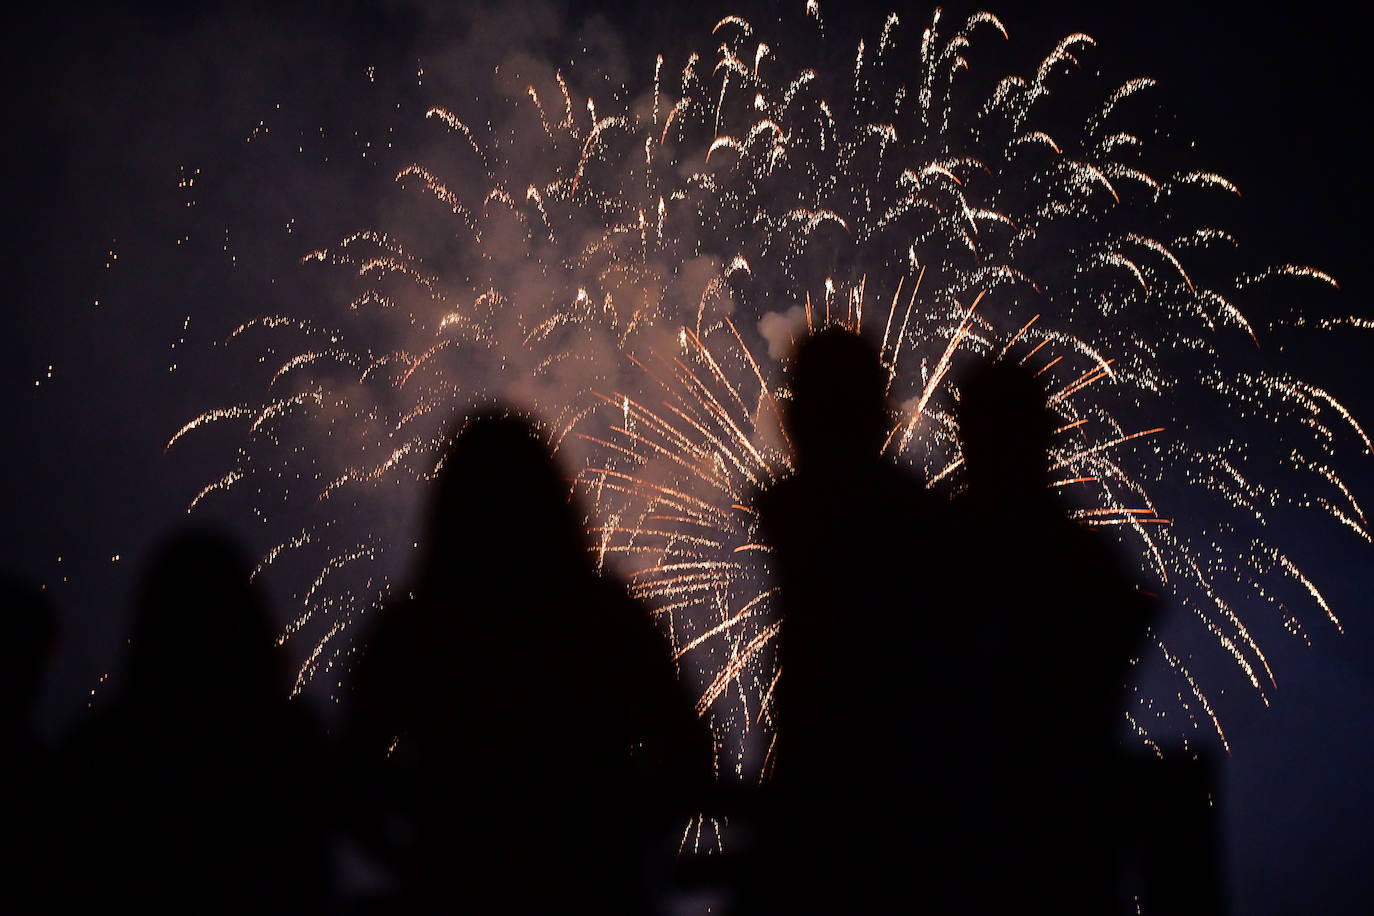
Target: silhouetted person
(30, 800)
(518, 711)
(200, 785)
(1055, 621)
(859, 755)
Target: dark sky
(112, 107)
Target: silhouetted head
(838, 412)
(200, 626)
(1005, 429)
(499, 498)
(30, 624)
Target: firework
(633, 265)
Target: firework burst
(633, 265)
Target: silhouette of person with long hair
(521, 709)
(1057, 620)
(199, 781)
(848, 533)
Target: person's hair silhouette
(201, 630)
(184, 775)
(522, 710)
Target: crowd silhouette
(516, 741)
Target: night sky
(150, 212)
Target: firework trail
(634, 266)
